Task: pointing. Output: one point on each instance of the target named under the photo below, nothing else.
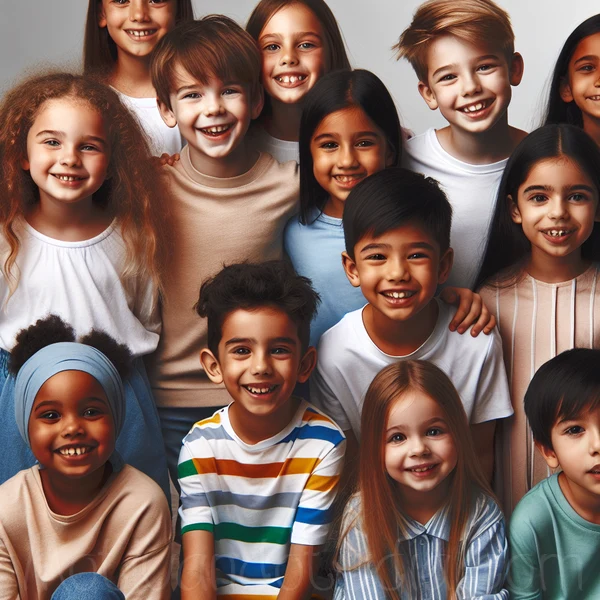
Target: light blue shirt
(316, 252)
(423, 548)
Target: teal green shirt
(554, 553)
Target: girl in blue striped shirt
(423, 523)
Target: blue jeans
(90, 586)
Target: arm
(9, 586)
(302, 565)
(471, 311)
(147, 577)
(483, 439)
(524, 573)
(198, 578)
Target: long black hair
(507, 245)
(336, 91)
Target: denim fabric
(90, 586)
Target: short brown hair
(215, 46)
(468, 20)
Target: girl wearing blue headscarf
(80, 523)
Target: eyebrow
(357, 134)
(277, 36)
(425, 424)
(549, 188)
(586, 57)
(277, 340)
(55, 133)
(375, 246)
(454, 65)
(59, 403)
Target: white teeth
(423, 469)
(347, 178)
(141, 33)
(290, 78)
(255, 390)
(67, 178)
(216, 129)
(474, 107)
(557, 232)
(400, 295)
(79, 450)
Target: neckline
(68, 244)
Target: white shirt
(349, 360)
(281, 150)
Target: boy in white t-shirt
(463, 54)
(397, 232)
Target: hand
(167, 159)
(471, 311)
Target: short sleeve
(9, 586)
(323, 397)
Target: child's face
(213, 118)
(470, 84)
(582, 84)
(136, 26)
(346, 148)
(260, 360)
(419, 449)
(398, 272)
(67, 151)
(576, 450)
(556, 206)
(294, 53)
(71, 428)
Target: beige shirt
(124, 534)
(537, 321)
(216, 222)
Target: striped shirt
(258, 499)
(423, 551)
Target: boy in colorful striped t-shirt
(259, 477)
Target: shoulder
(339, 339)
(452, 340)
(485, 514)
(537, 509)
(320, 428)
(24, 483)
(273, 168)
(208, 429)
(135, 489)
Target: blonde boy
(463, 54)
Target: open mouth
(349, 180)
(290, 80)
(74, 450)
(423, 469)
(594, 98)
(67, 178)
(141, 33)
(260, 390)
(557, 235)
(399, 295)
(215, 130)
(475, 107)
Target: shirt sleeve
(324, 397)
(147, 577)
(9, 586)
(524, 576)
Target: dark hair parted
(507, 245)
(392, 198)
(249, 286)
(99, 49)
(53, 330)
(559, 111)
(337, 91)
(562, 390)
(215, 46)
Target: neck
(421, 506)
(400, 338)
(334, 208)
(252, 428)
(482, 148)
(556, 269)
(583, 502)
(592, 127)
(284, 121)
(239, 161)
(131, 76)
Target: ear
(25, 164)
(516, 69)
(168, 116)
(445, 266)
(307, 364)
(428, 95)
(390, 156)
(513, 207)
(211, 365)
(101, 15)
(564, 89)
(549, 455)
(597, 215)
(258, 100)
(351, 270)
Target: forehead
(407, 235)
(65, 113)
(413, 408)
(451, 50)
(588, 46)
(347, 121)
(557, 172)
(261, 324)
(292, 19)
(70, 387)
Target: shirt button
(422, 542)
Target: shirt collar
(438, 526)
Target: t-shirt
(349, 360)
(162, 138)
(216, 221)
(553, 550)
(471, 190)
(316, 252)
(281, 150)
(257, 499)
(81, 283)
(124, 534)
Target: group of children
(162, 319)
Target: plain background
(39, 33)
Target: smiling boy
(463, 54)
(228, 202)
(555, 529)
(258, 478)
(397, 230)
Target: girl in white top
(119, 38)
(80, 216)
(299, 41)
(540, 277)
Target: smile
(475, 106)
(558, 232)
(399, 295)
(594, 98)
(260, 390)
(67, 177)
(140, 33)
(290, 78)
(74, 450)
(215, 130)
(423, 469)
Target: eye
(434, 431)
(92, 412)
(538, 198)
(588, 68)
(485, 67)
(329, 146)
(241, 351)
(230, 92)
(307, 46)
(271, 48)
(574, 430)
(578, 197)
(417, 255)
(50, 415)
(365, 143)
(90, 148)
(396, 438)
(52, 143)
(448, 77)
(375, 257)
(191, 96)
(120, 2)
(280, 350)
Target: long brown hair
(381, 514)
(133, 191)
(100, 51)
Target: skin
(346, 147)
(420, 453)
(582, 83)
(67, 139)
(197, 107)
(71, 411)
(557, 196)
(292, 44)
(460, 75)
(576, 450)
(125, 18)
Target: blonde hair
(470, 21)
(381, 513)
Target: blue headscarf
(66, 356)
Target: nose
(138, 10)
(71, 426)
(346, 157)
(470, 84)
(557, 209)
(261, 363)
(594, 440)
(397, 270)
(213, 105)
(418, 447)
(289, 56)
(69, 156)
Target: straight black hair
(559, 111)
(392, 198)
(507, 245)
(562, 390)
(336, 91)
